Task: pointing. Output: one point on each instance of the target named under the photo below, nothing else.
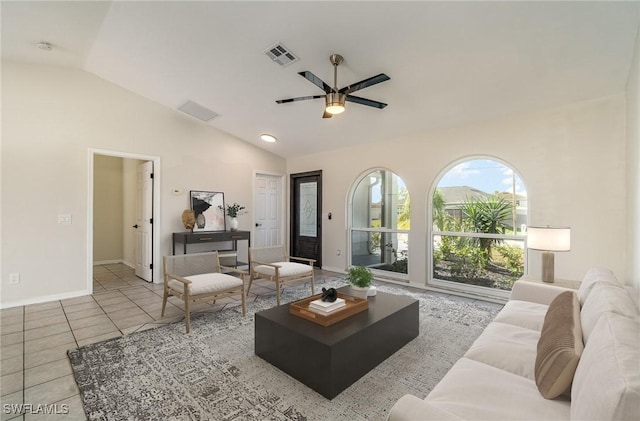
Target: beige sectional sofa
(496, 378)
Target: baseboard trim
(111, 262)
(330, 269)
(107, 262)
(45, 299)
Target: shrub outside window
(479, 215)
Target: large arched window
(379, 225)
(479, 215)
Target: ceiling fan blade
(365, 101)
(327, 115)
(300, 98)
(316, 81)
(373, 80)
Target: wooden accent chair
(274, 264)
(196, 277)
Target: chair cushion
(286, 269)
(604, 298)
(207, 283)
(559, 347)
(607, 382)
(593, 277)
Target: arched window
(380, 222)
(479, 214)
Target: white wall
(107, 208)
(633, 172)
(571, 159)
(51, 117)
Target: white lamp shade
(549, 238)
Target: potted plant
(233, 211)
(360, 279)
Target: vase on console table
(233, 224)
(200, 221)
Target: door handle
(135, 226)
(258, 224)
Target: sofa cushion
(559, 347)
(604, 298)
(606, 385)
(593, 277)
(507, 347)
(412, 408)
(476, 391)
(523, 314)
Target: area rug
(213, 374)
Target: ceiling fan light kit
(335, 102)
(335, 98)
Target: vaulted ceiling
(450, 63)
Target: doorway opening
(122, 224)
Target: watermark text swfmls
(30, 408)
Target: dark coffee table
(330, 359)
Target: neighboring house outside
(455, 197)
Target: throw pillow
(604, 298)
(595, 276)
(559, 347)
(607, 381)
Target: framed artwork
(208, 209)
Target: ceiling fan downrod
(336, 60)
(334, 101)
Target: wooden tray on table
(354, 305)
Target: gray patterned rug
(213, 374)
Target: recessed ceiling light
(44, 46)
(268, 137)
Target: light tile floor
(34, 339)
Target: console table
(186, 238)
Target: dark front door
(306, 215)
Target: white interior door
(144, 221)
(268, 214)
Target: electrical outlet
(64, 219)
(14, 278)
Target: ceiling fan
(335, 98)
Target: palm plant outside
(488, 216)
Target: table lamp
(548, 239)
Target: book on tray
(325, 307)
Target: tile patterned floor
(35, 338)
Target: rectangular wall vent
(279, 53)
(197, 111)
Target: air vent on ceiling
(279, 53)
(197, 111)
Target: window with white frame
(479, 215)
(380, 223)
